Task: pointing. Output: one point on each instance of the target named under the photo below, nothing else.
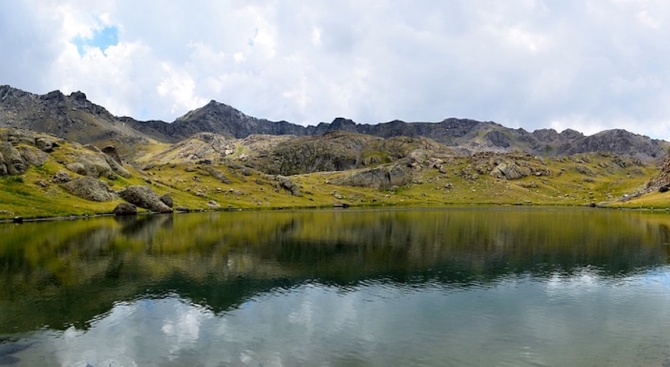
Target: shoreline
(21, 220)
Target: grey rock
(61, 177)
(218, 175)
(382, 177)
(92, 164)
(125, 209)
(510, 171)
(498, 139)
(3, 168)
(90, 188)
(33, 156)
(110, 151)
(167, 200)
(45, 145)
(289, 185)
(144, 197)
(12, 159)
(117, 167)
(77, 168)
(585, 170)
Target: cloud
(523, 63)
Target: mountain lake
(480, 286)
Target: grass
(578, 180)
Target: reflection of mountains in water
(65, 273)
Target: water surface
(452, 287)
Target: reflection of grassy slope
(62, 266)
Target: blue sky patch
(102, 39)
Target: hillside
(63, 155)
(42, 175)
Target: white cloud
(589, 65)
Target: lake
(410, 287)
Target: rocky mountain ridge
(76, 118)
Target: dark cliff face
(216, 118)
(71, 117)
(616, 141)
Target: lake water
(447, 287)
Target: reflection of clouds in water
(585, 281)
(182, 328)
(378, 324)
(283, 329)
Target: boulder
(213, 204)
(288, 185)
(218, 175)
(167, 200)
(117, 167)
(92, 164)
(144, 197)
(90, 188)
(61, 177)
(33, 156)
(45, 145)
(125, 209)
(14, 163)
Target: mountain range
(64, 155)
(75, 118)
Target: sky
(587, 65)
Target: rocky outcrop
(111, 151)
(144, 197)
(46, 145)
(288, 185)
(661, 181)
(11, 159)
(93, 162)
(32, 156)
(336, 151)
(510, 171)
(382, 177)
(617, 141)
(61, 177)
(90, 188)
(498, 139)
